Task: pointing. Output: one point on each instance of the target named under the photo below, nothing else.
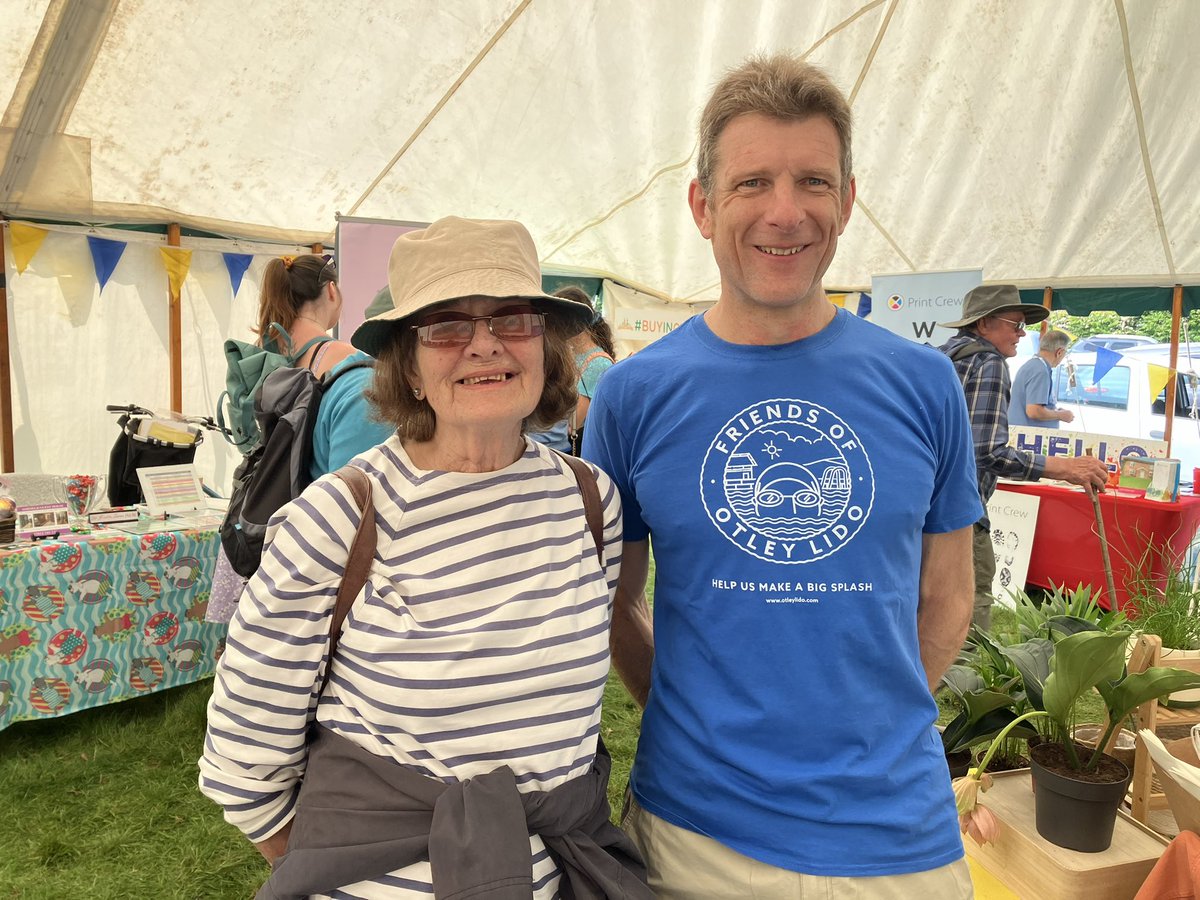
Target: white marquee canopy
(1048, 143)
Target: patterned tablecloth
(98, 618)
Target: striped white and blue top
(480, 640)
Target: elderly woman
(455, 746)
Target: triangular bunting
(1105, 360)
(237, 264)
(178, 261)
(1157, 375)
(26, 240)
(105, 256)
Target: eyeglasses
(457, 329)
(1018, 327)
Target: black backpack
(285, 408)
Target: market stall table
(1066, 549)
(94, 619)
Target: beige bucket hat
(455, 258)
(989, 299)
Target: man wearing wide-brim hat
(993, 320)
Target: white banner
(1014, 519)
(1063, 442)
(912, 305)
(637, 318)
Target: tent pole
(176, 331)
(1048, 302)
(1169, 409)
(7, 460)
(318, 248)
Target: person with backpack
(448, 742)
(301, 295)
(300, 302)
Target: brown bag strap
(358, 564)
(586, 479)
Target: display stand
(1066, 550)
(1031, 866)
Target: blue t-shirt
(786, 489)
(345, 427)
(1034, 384)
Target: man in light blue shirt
(1034, 397)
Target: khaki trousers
(985, 570)
(683, 865)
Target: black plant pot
(1078, 815)
(958, 763)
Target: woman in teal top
(300, 293)
(594, 355)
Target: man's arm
(1042, 413)
(632, 637)
(1083, 470)
(947, 596)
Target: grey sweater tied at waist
(360, 816)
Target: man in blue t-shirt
(808, 482)
(1034, 399)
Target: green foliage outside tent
(1156, 324)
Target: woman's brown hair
(288, 283)
(598, 330)
(391, 389)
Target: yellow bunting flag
(178, 261)
(26, 240)
(837, 299)
(1158, 376)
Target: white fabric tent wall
(1047, 143)
(76, 349)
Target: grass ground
(103, 804)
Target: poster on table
(363, 248)
(1066, 443)
(912, 304)
(1013, 518)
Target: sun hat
(989, 299)
(455, 258)
(380, 304)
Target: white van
(1121, 403)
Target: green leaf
(1032, 660)
(983, 730)
(962, 679)
(1081, 662)
(1071, 625)
(1134, 690)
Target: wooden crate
(1033, 868)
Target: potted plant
(1078, 789)
(988, 690)
(995, 674)
(1163, 601)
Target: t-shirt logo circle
(787, 481)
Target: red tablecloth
(1066, 549)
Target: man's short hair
(1054, 340)
(779, 86)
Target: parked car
(1120, 342)
(1120, 404)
